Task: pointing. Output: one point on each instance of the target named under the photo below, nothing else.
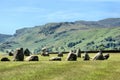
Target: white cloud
(62, 16)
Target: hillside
(63, 36)
(4, 37)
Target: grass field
(62, 70)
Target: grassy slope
(56, 35)
(64, 70)
(93, 34)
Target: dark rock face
(86, 57)
(55, 59)
(71, 56)
(19, 56)
(99, 56)
(5, 59)
(78, 53)
(27, 52)
(60, 54)
(106, 56)
(32, 58)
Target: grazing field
(62, 70)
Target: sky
(17, 14)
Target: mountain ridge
(99, 23)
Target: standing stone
(60, 54)
(106, 56)
(10, 53)
(5, 59)
(78, 53)
(32, 58)
(55, 59)
(99, 56)
(86, 56)
(19, 56)
(44, 52)
(27, 52)
(71, 56)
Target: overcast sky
(16, 14)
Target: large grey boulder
(55, 59)
(44, 52)
(106, 56)
(98, 56)
(86, 56)
(60, 54)
(19, 55)
(27, 52)
(78, 53)
(71, 56)
(32, 58)
(4, 59)
(11, 53)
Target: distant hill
(4, 37)
(63, 36)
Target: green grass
(62, 70)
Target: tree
(101, 47)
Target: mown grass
(62, 70)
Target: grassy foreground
(62, 70)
